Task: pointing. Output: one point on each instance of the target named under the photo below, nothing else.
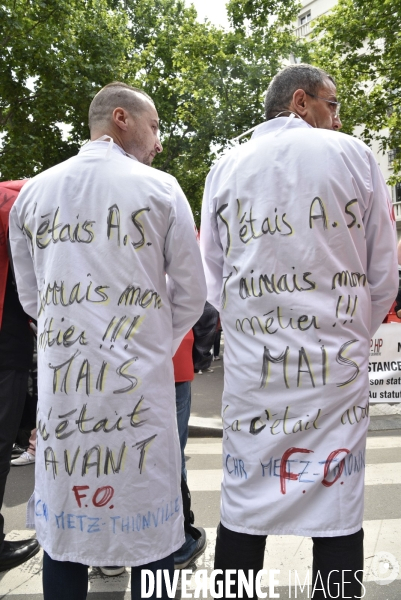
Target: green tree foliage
(53, 55)
(359, 42)
(207, 83)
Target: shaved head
(115, 95)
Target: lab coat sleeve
(381, 243)
(23, 265)
(211, 247)
(186, 286)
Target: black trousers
(341, 557)
(13, 386)
(69, 580)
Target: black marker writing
(113, 222)
(122, 371)
(273, 323)
(115, 327)
(219, 214)
(317, 203)
(350, 213)
(248, 232)
(109, 460)
(70, 468)
(50, 336)
(143, 447)
(303, 358)
(60, 232)
(86, 464)
(58, 294)
(224, 292)
(342, 360)
(139, 227)
(269, 359)
(133, 295)
(57, 368)
(271, 284)
(354, 279)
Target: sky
(213, 10)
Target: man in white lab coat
(92, 240)
(298, 242)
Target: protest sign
(385, 364)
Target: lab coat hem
(123, 562)
(307, 532)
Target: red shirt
(9, 191)
(182, 361)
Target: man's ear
(299, 103)
(120, 118)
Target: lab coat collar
(108, 144)
(278, 124)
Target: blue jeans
(183, 407)
(69, 580)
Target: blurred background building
(312, 9)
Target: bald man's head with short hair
(114, 95)
(129, 117)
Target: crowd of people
(297, 263)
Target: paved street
(289, 554)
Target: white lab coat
(298, 242)
(92, 240)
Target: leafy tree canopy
(359, 43)
(54, 54)
(207, 83)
